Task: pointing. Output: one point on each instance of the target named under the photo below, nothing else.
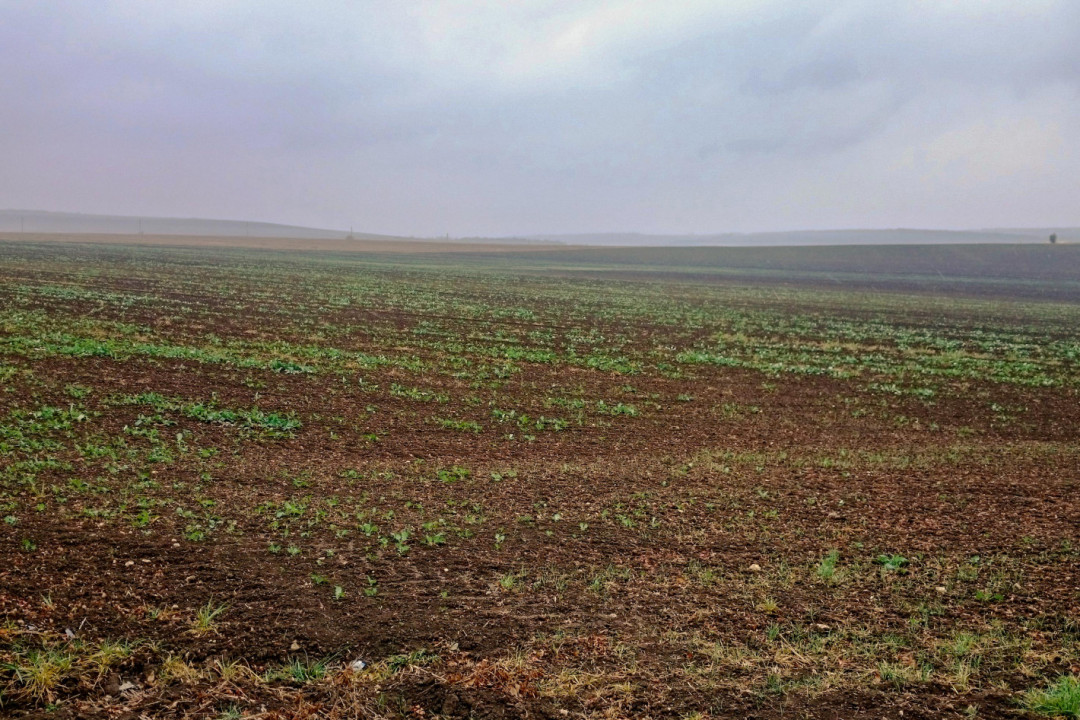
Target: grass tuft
(205, 618)
(1060, 699)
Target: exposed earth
(550, 491)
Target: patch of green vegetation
(459, 425)
(1060, 699)
(271, 423)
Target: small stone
(129, 563)
(940, 589)
(124, 687)
(755, 568)
(294, 647)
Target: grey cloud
(414, 119)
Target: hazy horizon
(39, 222)
(542, 118)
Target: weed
(1060, 699)
(232, 712)
(301, 671)
(453, 475)
(39, 672)
(826, 569)
(460, 425)
(417, 658)
(206, 617)
(892, 563)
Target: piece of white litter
(127, 686)
(357, 665)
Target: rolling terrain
(572, 482)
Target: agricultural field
(555, 484)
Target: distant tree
(1053, 238)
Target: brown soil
(630, 542)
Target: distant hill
(1065, 234)
(819, 237)
(38, 221)
(43, 222)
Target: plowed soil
(227, 478)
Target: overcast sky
(494, 118)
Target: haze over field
(117, 227)
(541, 118)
